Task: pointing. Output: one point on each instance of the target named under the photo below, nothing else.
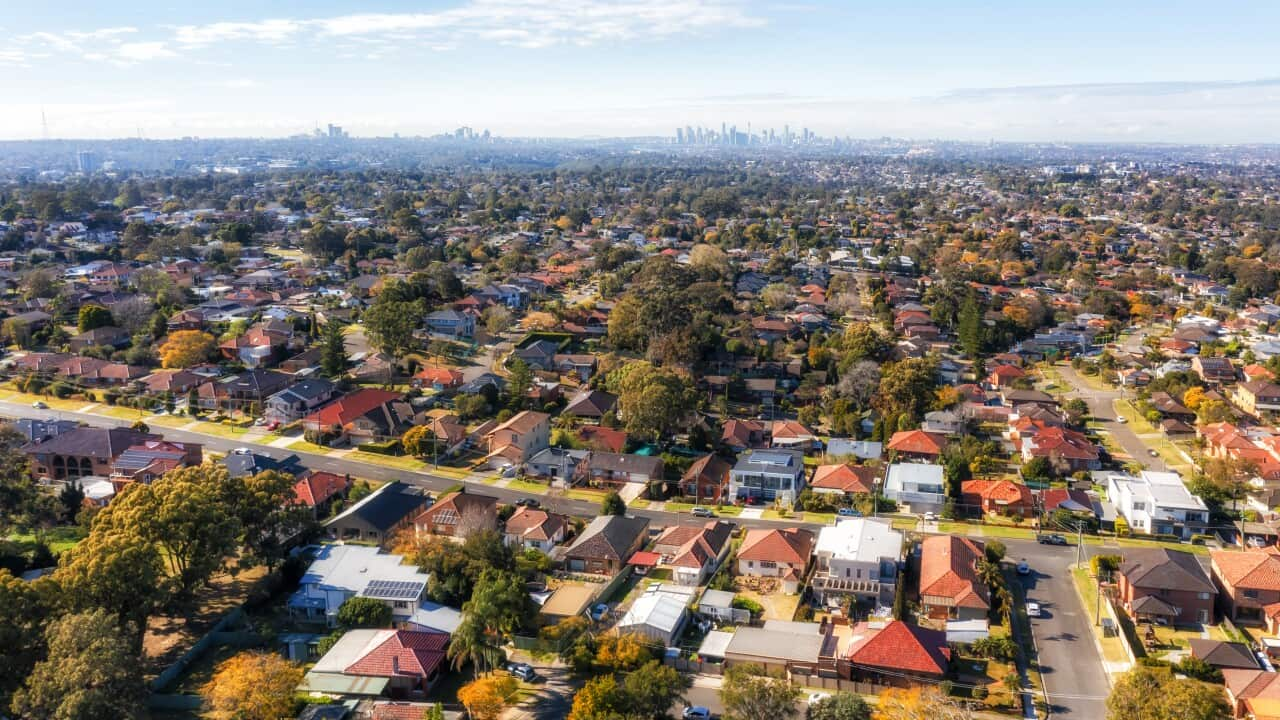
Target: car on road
(817, 697)
(1033, 609)
(40, 405)
(1023, 568)
(848, 512)
(528, 502)
(523, 671)
(599, 611)
(242, 451)
(702, 512)
(1122, 420)
(1153, 453)
(930, 517)
(1051, 539)
(696, 712)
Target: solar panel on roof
(393, 589)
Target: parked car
(1051, 539)
(599, 611)
(930, 517)
(523, 671)
(848, 512)
(696, 712)
(1033, 609)
(1153, 453)
(815, 697)
(1122, 420)
(40, 405)
(1024, 568)
(528, 502)
(700, 511)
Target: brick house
(458, 514)
(949, 583)
(1247, 582)
(1162, 583)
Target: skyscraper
(87, 162)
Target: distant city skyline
(1090, 71)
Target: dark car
(528, 502)
(523, 671)
(1052, 539)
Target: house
(997, 497)
(378, 515)
(1222, 654)
(174, 382)
(1257, 396)
(340, 572)
(860, 449)
(1003, 376)
(791, 434)
(782, 647)
(148, 461)
(742, 435)
(317, 489)
(949, 584)
(1157, 502)
(915, 484)
(606, 543)
(782, 553)
(1159, 583)
(718, 605)
(590, 404)
(1247, 583)
(366, 415)
(451, 323)
(438, 378)
(844, 479)
(250, 389)
(693, 553)
(598, 437)
(656, 616)
(1170, 408)
(1253, 694)
(895, 653)
(770, 475)
(112, 337)
(298, 400)
(857, 557)
(82, 452)
(35, 430)
(518, 439)
(616, 469)
(555, 462)
(458, 515)
(1066, 449)
(1213, 370)
(579, 365)
(707, 479)
(244, 463)
(917, 444)
(942, 422)
(534, 529)
(396, 663)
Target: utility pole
(1079, 544)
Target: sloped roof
(948, 568)
(1248, 569)
(784, 545)
(1223, 654)
(409, 653)
(917, 441)
(899, 647)
(1165, 569)
(844, 477)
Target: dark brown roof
(1165, 569)
(1223, 654)
(92, 442)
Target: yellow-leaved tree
(184, 348)
(486, 698)
(253, 686)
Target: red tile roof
(346, 409)
(789, 545)
(899, 647)
(317, 486)
(948, 569)
(1254, 570)
(412, 653)
(844, 477)
(918, 442)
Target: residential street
(1069, 661)
(1102, 410)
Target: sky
(1033, 70)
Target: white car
(1033, 609)
(816, 697)
(696, 712)
(930, 517)
(40, 405)
(1122, 420)
(242, 451)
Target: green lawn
(639, 502)
(309, 447)
(998, 531)
(678, 507)
(63, 537)
(403, 462)
(528, 486)
(1112, 647)
(586, 494)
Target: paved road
(1069, 661)
(1102, 410)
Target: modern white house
(1157, 502)
(774, 474)
(915, 484)
(857, 557)
(340, 572)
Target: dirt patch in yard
(169, 636)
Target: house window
(1251, 594)
(1204, 596)
(402, 605)
(768, 564)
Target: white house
(340, 572)
(915, 483)
(1157, 502)
(857, 557)
(769, 475)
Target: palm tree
(470, 642)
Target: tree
(863, 341)
(333, 350)
(93, 317)
(390, 325)
(918, 704)
(749, 694)
(117, 572)
(91, 672)
(419, 441)
(497, 319)
(599, 698)
(254, 686)
(906, 388)
(72, 500)
(25, 608)
(969, 327)
(184, 348)
(1147, 693)
(519, 382)
(841, 706)
(19, 494)
(652, 401)
(858, 383)
(623, 653)
(364, 612)
(652, 689)
(486, 698)
(269, 514)
(613, 504)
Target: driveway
(1069, 661)
(554, 698)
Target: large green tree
(333, 350)
(748, 693)
(25, 608)
(652, 401)
(91, 673)
(1156, 694)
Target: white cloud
(141, 51)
